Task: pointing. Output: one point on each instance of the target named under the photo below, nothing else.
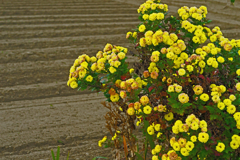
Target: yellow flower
(193, 138)
(220, 147)
(128, 35)
(231, 109)
(142, 28)
(160, 16)
(203, 137)
(178, 88)
(196, 39)
(221, 105)
(131, 111)
(203, 123)
(176, 146)
(189, 68)
(202, 64)
(73, 84)
(220, 59)
(100, 143)
(213, 38)
(210, 61)
(150, 130)
(238, 72)
(117, 64)
(198, 89)
(184, 152)
(170, 55)
(227, 102)
(157, 127)
(215, 64)
(147, 109)
(114, 97)
(144, 100)
(134, 35)
(230, 59)
(158, 148)
(131, 70)
(171, 88)
(168, 116)
(112, 70)
(234, 144)
(175, 129)
(236, 116)
(121, 55)
(153, 16)
(165, 157)
(89, 78)
(215, 98)
(238, 86)
(155, 158)
(204, 97)
(194, 126)
(181, 72)
(183, 98)
(159, 134)
(142, 42)
(184, 55)
(189, 146)
(145, 16)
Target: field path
(39, 41)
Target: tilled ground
(39, 41)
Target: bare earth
(39, 41)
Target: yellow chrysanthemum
(234, 144)
(204, 97)
(150, 130)
(89, 78)
(193, 138)
(220, 147)
(183, 98)
(147, 109)
(203, 137)
(181, 72)
(114, 97)
(142, 28)
(168, 116)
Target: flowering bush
(183, 92)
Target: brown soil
(39, 41)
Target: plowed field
(39, 41)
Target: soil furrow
(68, 20)
(61, 33)
(65, 41)
(86, 6)
(66, 11)
(65, 26)
(32, 17)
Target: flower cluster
(185, 70)
(193, 12)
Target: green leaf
(212, 116)
(53, 156)
(139, 157)
(68, 155)
(58, 152)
